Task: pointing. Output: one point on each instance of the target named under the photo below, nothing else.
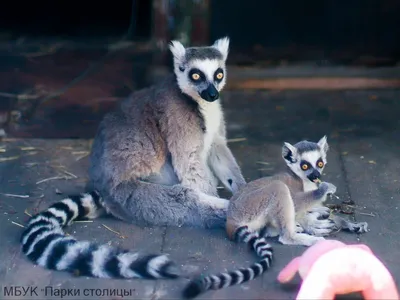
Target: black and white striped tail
(45, 243)
(202, 284)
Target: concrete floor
(364, 162)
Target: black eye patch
(192, 73)
(217, 74)
(305, 165)
(320, 163)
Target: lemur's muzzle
(314, 176)
(210, 94)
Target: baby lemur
(288, 204)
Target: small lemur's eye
(304, 167)
(320, 164)
(220, 75)
(195, 76)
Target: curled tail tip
(194, 289)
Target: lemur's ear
(323, 144)
(289, 153)
(178, 52)
(223, 46)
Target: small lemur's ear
(289, 152)
(323, 144)
(223, 46)
(178, 51)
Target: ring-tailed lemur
(155, 160)
(271, 206)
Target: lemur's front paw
(236, 184)
(299, 228)
(327, 188)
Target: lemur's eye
(320, 164)
(220, 75)
(195, 76)
(304, 167)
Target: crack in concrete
(163, 237)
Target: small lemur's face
(306, 159)
(201, 71)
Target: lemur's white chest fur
(212, 114)
(309, 186)
(312, 157)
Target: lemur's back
(293, 183)
(153, 102)
(133, 138)
(258, 195)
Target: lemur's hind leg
(270, 232)
(323, 211)
(292, 235)
(284, 219)
(314, 225)
(161, 205)
(315, 221)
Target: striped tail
(202, 284)
(45, 244)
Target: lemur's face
(201, 72)
(204, 78)
(306, 159)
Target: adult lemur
(155, 160)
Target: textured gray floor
(364, 163)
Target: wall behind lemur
(309, 29)
(74, 18)
(260, 30)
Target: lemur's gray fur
(270, 206)
(157, 158)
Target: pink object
(331, 268)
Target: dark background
(331, 29)
(70, 86)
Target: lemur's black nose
(210, 94)
(212, 91)
(314, 175)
